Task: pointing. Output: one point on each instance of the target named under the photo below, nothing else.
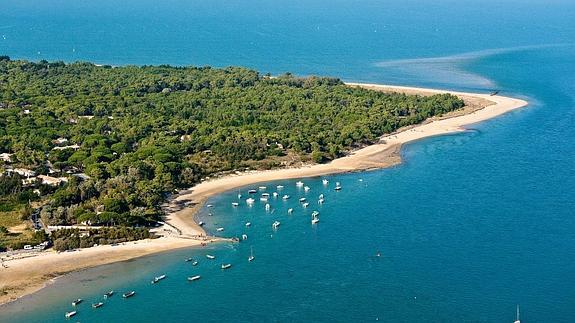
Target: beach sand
(24, 276)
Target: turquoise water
(468, 226)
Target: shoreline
(28, 275)
(385, 153)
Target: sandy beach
(27, 275)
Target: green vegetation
(143, 132)
(67, 239)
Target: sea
(467, 228)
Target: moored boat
(252, 191)
(193, 278)
(276, 224)
(158, 278)
(290, 211)
(70, 314)
(248, 224)
(109, 294)
(210, 257)
(337, 186)
(306, 188)
(303, 199)
(76, 302)
(250, 201)
(195, 263)
(129, 294)
(188, 260)
(235, 204)
(285, 197)
(220, 229)
(279, 187)
(251, 257)
(305, 204)
(226, 266)
(97, 305)
(325, 181)
(299, 184)
(262, 188)
(201, 224)
(268, 206)
(275, 194)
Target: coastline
(28, 275)
(385, 153)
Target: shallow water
(468, 226)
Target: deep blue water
(468, 226)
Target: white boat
(268, 207)
(193, 278)
(325, 181)
(285, 197)
(306, 188)
(262, 188)
(314, 220)
(128, 294)
(275, 194)
(220, 229)
(279, 187)
(234, 204)
(305, 204)
(320, 201)
(109, 294)
(97, 305)
(263, 199)
(290, 211)
(226, 266)
(321, 197)
(248, 224)
(252, 191)
(251, 257)
(302, 199)
(201, 223)
(276, 224)
(299, 184)
(158, 278)
(195, 263)
(315, 213)
(210, 257)
(337, 186)
(209, 205)
(76, 302)
(265, 194)
(314, 217)
(250, 201)
(244, 236)
(517, 319)
(239, 196)
(70, 314)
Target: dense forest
(120, 139)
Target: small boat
(234, 204)
(262, 188)
(226, 266)
(306, 188)
(299, 184)
(76, 302)
(109, 294)
(303, 199)
(337, 186)
(201, 223)
(210, 214)
(128, 294)
(276, 224)
(314, 220)
(195, 263)
(248, 224)
(251, 257)
(268, 206)
(279, 187)
(188, 260)
(320, 201)
(244, 236)
(275, 194)
(239, 196)
(315, 213)
(494, 93)
(321, 197)
(70, 314)
(263, 199)
(252, 191)
(250, 201)
(285, 197)
(158, 278)
(305, 204)
(97, 305)
(193, 278)
(220, 229)
(210, 205)
(210, 257)
(265, 194)
(517, 320)
(325, 181)
(290, 211)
